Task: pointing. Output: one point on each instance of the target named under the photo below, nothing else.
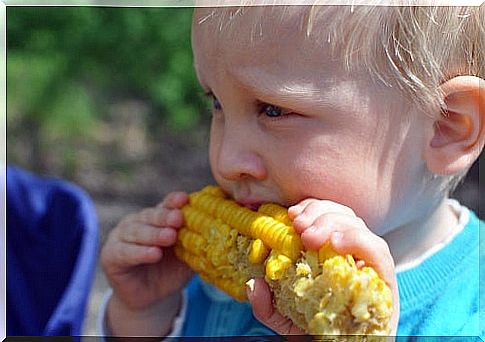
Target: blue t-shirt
(439, 297)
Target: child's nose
(237, 159)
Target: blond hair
(421, 46)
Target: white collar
(463, 215)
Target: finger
(325, 225)
(175, 200)
(312, 209)
(262, 303)
(149, 235)
(375, 251)
(162, 217)
(298, 209)
(365, 246)
(127, 255)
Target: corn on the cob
(321, 292)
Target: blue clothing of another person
(52, 240)
(438, 297)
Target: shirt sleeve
(177, 326)
(178, 322)
(101, 326)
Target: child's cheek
(341, 186)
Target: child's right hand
(138, 257)
(317, 222)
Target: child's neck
(411, 242)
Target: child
(359, 119)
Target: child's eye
(215, 103)
(272, 111)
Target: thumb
(261, 300)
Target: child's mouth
(250, 205)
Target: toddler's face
(289, 123)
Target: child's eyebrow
(301, 93)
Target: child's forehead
(309, 28)
(274, 29)
(256, 23)
(241, 38)
(247, 17)
(253, 25)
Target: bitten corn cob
(321, 292)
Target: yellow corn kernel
(277, 212)
(196, 219)
(276, 265)
(326, 252)
(214, 191)
(192, 242)
(258, 252)
(276, 235)
(197, 263)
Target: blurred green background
(106, 97)
(67, 64)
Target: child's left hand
(319, 221)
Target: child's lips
(250, 204)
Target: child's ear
(459, 133)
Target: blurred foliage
(67, 65)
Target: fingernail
(300, 218)
(250, 285)
(336, 237)
(293, 210)
(250, 289)
(312, 229)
